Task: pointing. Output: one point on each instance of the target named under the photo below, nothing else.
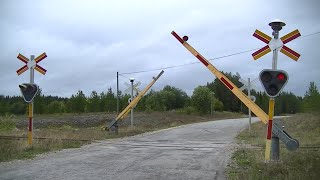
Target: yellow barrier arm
(124, 113)
(234, 89)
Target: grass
(57, 135)
(7, 123)
(19, 149)
(248, 160)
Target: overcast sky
(87, 42)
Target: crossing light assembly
(28, 91)
(273, 81)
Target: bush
(187, 110)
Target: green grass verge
(248, 160)
(19, 149)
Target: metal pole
(249, 95)
(276, 27)
(131, 100)
(30, 128)
(275, 148)
(117, 93)
(211, 105)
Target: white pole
(249, 95)
(30, 133)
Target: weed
(7, 123)
(248, 162)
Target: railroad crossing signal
(28, 91)
(273, 81)
(135, 87)
(246, 84)
(273, 44)
(32, 64)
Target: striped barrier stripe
(41, 57)
(291, 36)
(22, 70)
(226, 83)
(269, 132)
(23, 58)
(40, 69)
(202, 60)
(290, 53)
(261, 52)
(262, 36)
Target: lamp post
(131, 118)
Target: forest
(212, 96)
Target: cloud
(87, 42)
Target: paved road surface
(196, 151)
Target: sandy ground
(194, 151)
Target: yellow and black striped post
(269, 130)
(30, 128)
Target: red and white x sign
(273, 44)
(32, 64)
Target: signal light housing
(273, 81)
(28, 91)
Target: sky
(88, 42)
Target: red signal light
(273, 81)
(281, 77)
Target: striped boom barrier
(234, 89)
(124, 113)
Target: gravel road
(194, 151)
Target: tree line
(212, 96)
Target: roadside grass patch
(7, 123)
(248, 162)
(19, 149)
